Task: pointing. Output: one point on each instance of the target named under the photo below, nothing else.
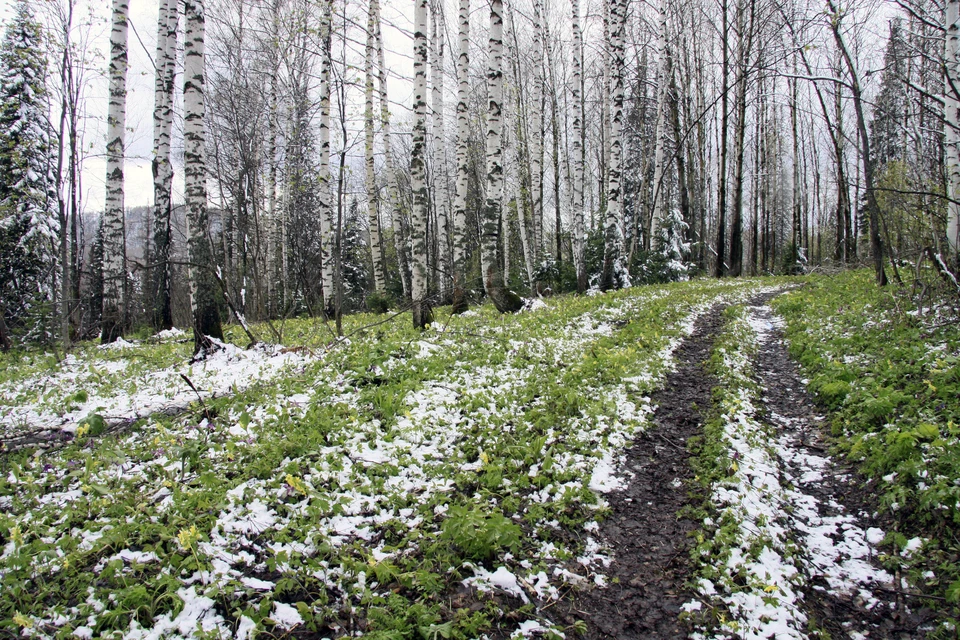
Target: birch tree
(536, 138)
(724, 121)
(576, 87)
(504, 299)
(659, 168)
(327, 239)
(162, 169)
(615, 273)
(373, 217)
(441, 193)
(463, 135)
(422, 314)
(203, 299)
(114, 240)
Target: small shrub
(478, 535)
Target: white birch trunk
(503, 299)
(373, 217)
(604, 118)
(114, 240)
(658, 167)
(579, 232)
(524, 227)
(951, 127)
(615, 275)
(441, 192)
(274, 221)
(463, 134)
(206, 318)
(327, 239)
(418, 173)
(536, 135)
(162, 168)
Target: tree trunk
(720, 269)
(206, 316)
(422, 315)
(504, 299)
(441, 193)
(327, 240)
(658, 164)
(615, 274)
(683, 180)
(373, 217)
(951, 122)
(536, 137)
(579, 232)
(114, 240)
(162, 169)
(463, 167)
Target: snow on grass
(772, 536)
(84, 386)
(342, 478)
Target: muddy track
(650, 545)
(840, 492)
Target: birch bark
(503, 299)
(615, 275)
(579, 233)
(463, 135)
(162, 169)
(114, 240)
(376, 249)
(441, 192)
(658, 163)
(418, 281)
(327, 239)
(203, 302)
(951, 125)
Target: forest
(553, 320)
(532, 150)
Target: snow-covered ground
(118, 388)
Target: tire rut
(844, 506)
(649, 543)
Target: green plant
(479, 535)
